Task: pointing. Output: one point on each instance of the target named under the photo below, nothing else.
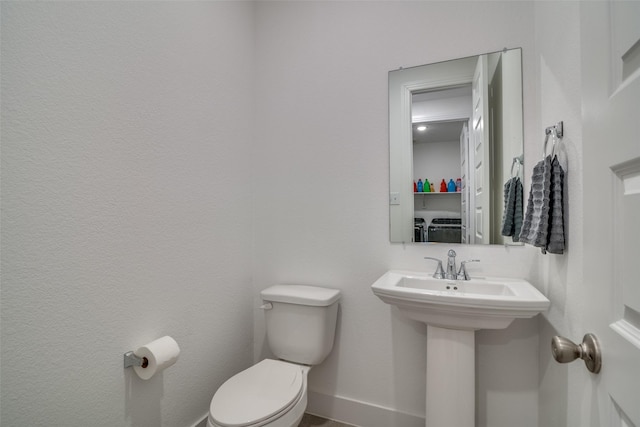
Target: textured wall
(322, 188)
(141, 144)
(125, 207)
(560, 87)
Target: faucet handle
(439, 274)
(462, 273)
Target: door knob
(565, 351)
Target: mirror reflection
(456, 141)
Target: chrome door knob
(565, 351)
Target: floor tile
(313, 421)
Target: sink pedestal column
(450, 377)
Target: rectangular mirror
(456, 146)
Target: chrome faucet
(439, 274)
(462, 273)
(451, 273)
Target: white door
(481, 153)
(464, 178)
(610, 37)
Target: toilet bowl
(271, 393)
(300, 323)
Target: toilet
(300, 324)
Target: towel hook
(517, 161)
(557, 131)
(546, 140)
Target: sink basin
(479, 303)
(457, 288)
(453, 310)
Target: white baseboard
(359, 413)
(202, 422)
(351, 412)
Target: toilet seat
(258, 395)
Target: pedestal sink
(453, 310)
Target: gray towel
(512, 215)
(543, 224)
(555, 240)
(536, 219)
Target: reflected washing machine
(445, 230)
(419, 230)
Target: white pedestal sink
(453, 310)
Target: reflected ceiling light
(421, 128)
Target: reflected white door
(611, 140)
(464, 178)
(481, 154)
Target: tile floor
(312, 421)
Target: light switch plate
(394, 198)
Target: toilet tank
(301, 322)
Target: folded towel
(519, 211)
(512, 215)
(555, 240)
(543, 224)
(535, 224)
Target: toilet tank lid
(301, 294)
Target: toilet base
(291, 418)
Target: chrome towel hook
(517, 162)
(557, 129)
(557, 132)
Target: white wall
(322, 204)
(127, 211)
(442, 109)
(436, 161)
(560, 86)
(125, 207)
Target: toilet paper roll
(160, 354)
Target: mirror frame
(402, 85)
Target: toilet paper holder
(153, 358)
(130, 359)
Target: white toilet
(301, 324)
